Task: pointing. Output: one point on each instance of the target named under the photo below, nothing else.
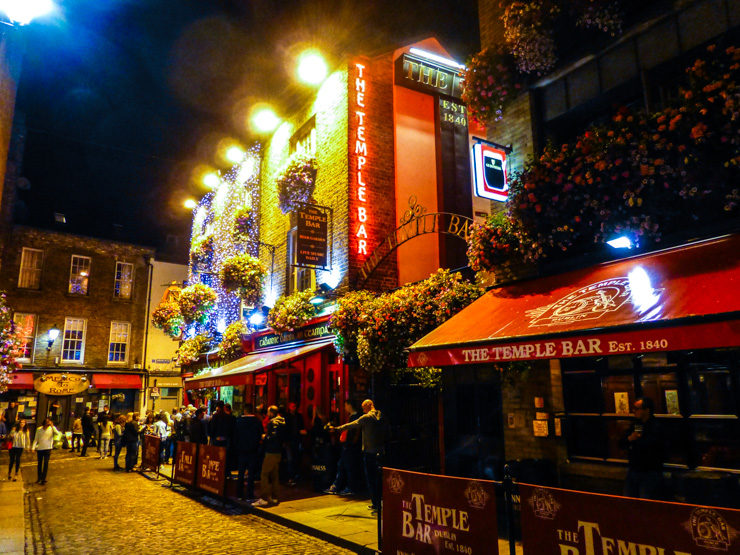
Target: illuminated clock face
(490, 172)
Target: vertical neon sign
(361, 154)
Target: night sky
(124, 99)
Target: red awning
(116, 381)
(235, 373)
(21, 380)
(681, 298)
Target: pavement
(117, 512)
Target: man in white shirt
(43, 443)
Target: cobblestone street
(87, 508)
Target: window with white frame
(79, 274)
(25, 325)
(124, 280)
(29, 276)
(118, 344)
(73, 344)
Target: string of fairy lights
(214, 216)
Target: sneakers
(331, 490)
(261, 503)
(274, 501)
(347, 492)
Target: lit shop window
(118, 344)
(79, 275)
(299, 279)
(124, 280)
(304, 140)
(25, 325)
(73, 345)
(29, 276)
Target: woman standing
(118, 440)
(106, 431)
(20, 440)
(43, 443)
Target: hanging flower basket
(231, 340)
(243, 274)
(528, 34)
(296, 182)
(601, 15)
(191, 349)
(495, 246)
(201, 251)
(244, 224)
(167, 317)
(291, 312)
(490, 84)
(196, 302)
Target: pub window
(25, 325)
(299, 279)
(79, 274)
(303, 141)
(29, 276)
(124, 280)
(118, 343)
(73, 343)
(696, 397)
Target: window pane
(710, 391)
(118, 345)
(615, 430)
(124, 279)
(29, 276)
(717, 443)
(25, 324)
(79, 275)
(675, 439)
(663, 390)
(587, 436)
(582, 392)
(74, 340)
(619, 394)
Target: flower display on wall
(168, 318)
(490, 83)
(231, 339)
(640, 174)
(494, 244)
(291, 311)
(528, 34)
(243, 274)
(347, 319)
(196, 302)
(244, 224)
(11, 344)
(296, 182)
(191, 349)
(602, 15)
(201, 250)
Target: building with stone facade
(93, 292)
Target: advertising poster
(211, 469)
(578, 523)
(185, 463)
(150, 456)
(426, 513)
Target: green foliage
(244, 274)
(196, 302)
(291, 312)
(231, 340)
(191, 349)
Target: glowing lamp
(622, 242)
(234, 154)
(257, 319)
(51, 336)
(190, 204)
(265, 120)
(312, 68)
(24, 11)
(211, 180)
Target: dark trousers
(117, 446)
(43, 456)
(132, 454)
(643, 484)
(85, 443)
(373, 477)
(293, 455)
(347, 469)
(247, 462)
(76, 442)
(15, 458)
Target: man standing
(43, 443)
(131, 439)
(88, 431)
(644, 444)
(373, 428)
(198, 430)
(295, 429)
(248, 432)
(345, 482)
(273, 442)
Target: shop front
(663, 325)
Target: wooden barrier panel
(184, 466)
(427, 513)
(211, 469)
(150, 456)
(579, 523)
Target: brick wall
(52, 303)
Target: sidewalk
(12, 524)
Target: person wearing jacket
(131, 440)
(43, 443)
(77, 435)
(346, 481)
(373, 428)
(643, 442)
(248, 432)
(20, 440)
(120, 422)
(106, 433)
(273, 443)
(88, 431)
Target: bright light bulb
(256, 319)
(622, 242)
(190, 204)
(265, 120)
(312, 68)
(24, 11)
(211, 180)
(235, 154)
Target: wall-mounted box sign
(490, 172)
